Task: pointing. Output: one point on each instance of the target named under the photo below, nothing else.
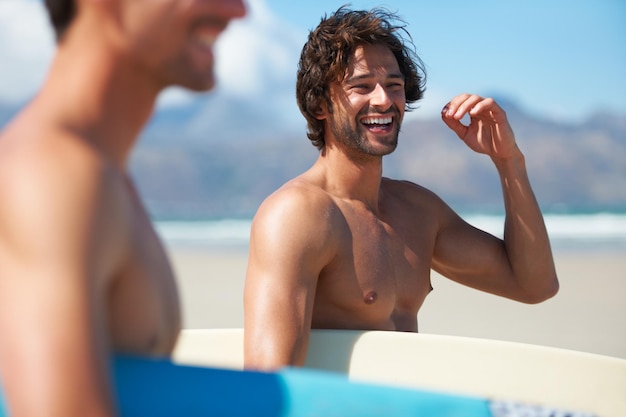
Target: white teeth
(377, 120)
(206, 40)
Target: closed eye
(361, 87)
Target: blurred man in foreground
(82, 272)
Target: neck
(352, 178)
(97, 93)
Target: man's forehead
(372, 59)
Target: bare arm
(521, 267)
(54, 353)
(287, 252)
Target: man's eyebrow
(361, 77)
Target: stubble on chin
(357, 141)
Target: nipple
(370, 297)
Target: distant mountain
(220, 156)
(204, 166)
(578, 166)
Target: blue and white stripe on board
(158, 387)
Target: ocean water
(590, 231)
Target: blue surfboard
(159, 387)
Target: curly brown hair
(61, 14)
(325, 55)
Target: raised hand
(488, 132)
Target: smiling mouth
(206, 32)
(377, 122)
(205, 38)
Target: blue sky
(563, 59)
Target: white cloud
(26, 48)
(257, 52)
(256, 55)
(256, 63)
(256, 58)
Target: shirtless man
(82, 272)
(341, 247)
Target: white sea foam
(229, 232)
(595, 226)
(596, 230)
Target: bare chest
(144, 302)
(380, 276)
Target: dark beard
(354, 141)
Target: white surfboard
(500, 370)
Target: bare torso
(380, 275)
(341, 247)
(143, 306)
(135, 300)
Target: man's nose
(229, 9)
(380, 98)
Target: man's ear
(322, 111)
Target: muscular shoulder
(58, 196)
(301, 196)
(404, 202)
(411, 195)
(300, 214)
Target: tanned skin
(83, 274)
(341, 247)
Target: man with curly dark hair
(83, 274)
(340, 246)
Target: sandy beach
(588, 314)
